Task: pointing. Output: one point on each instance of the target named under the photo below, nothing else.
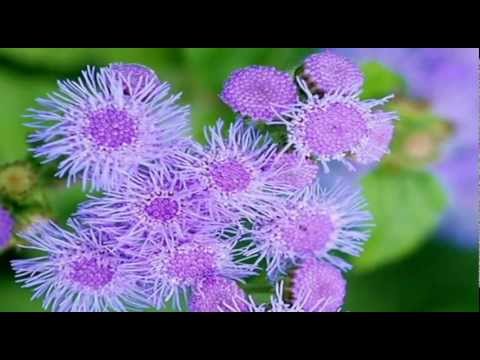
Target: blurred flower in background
(447, 81)
(7, 224)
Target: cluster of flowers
(187, 223)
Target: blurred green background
(404, 267)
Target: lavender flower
(103, 134)
(134, 76)
(327, 72)
(277, 303)
(322, 281)
(7, 223)
(377, 144)
(78, 273)
(160, 204)
(256, 91)
(294, 170)
(315, 222)
(234, 171)
(215, 294)
(305, 301)
(172, 272)
(336, 126)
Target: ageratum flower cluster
(189, 224)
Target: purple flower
(329, 72)
(215, 294)
(314, 223)
(256, 91)
(305, 301)
(7, 223)
(171, 272)
(336, 126)
(159, 204)
(321, 281)
(278, 304)
(294, 170)
(102, 134)
(78, 273)
(133, 76)
(377, 144)
(233, 170)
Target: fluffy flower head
(235, 172)
(315, 222)
(321, 281)
(101, 132)
(159, 204)
(215, 294)
(170, 272)
(328, 72)
(339, 126)
(79, 272)
(256, 91)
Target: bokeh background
(423, 255)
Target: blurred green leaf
(12, 296)
(51, 59)
(64, 201)
(17, 93)
(406, 206)
(223, 61)
(380, 81)
(436, 277)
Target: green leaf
(406, 206)
(437, 277)
(64, 201)
(380, 81)
(48, 59)
(17, 93)
(212, 66)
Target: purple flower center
(230, 176)
(252, 91)
(323, 282)
(329, 72)
(334, 130)
(163, 208)
(215, 293)
(91, 274)
(111, 128)
(192, 263)
(309, 233)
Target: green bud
(419, 135)
(17, 180)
